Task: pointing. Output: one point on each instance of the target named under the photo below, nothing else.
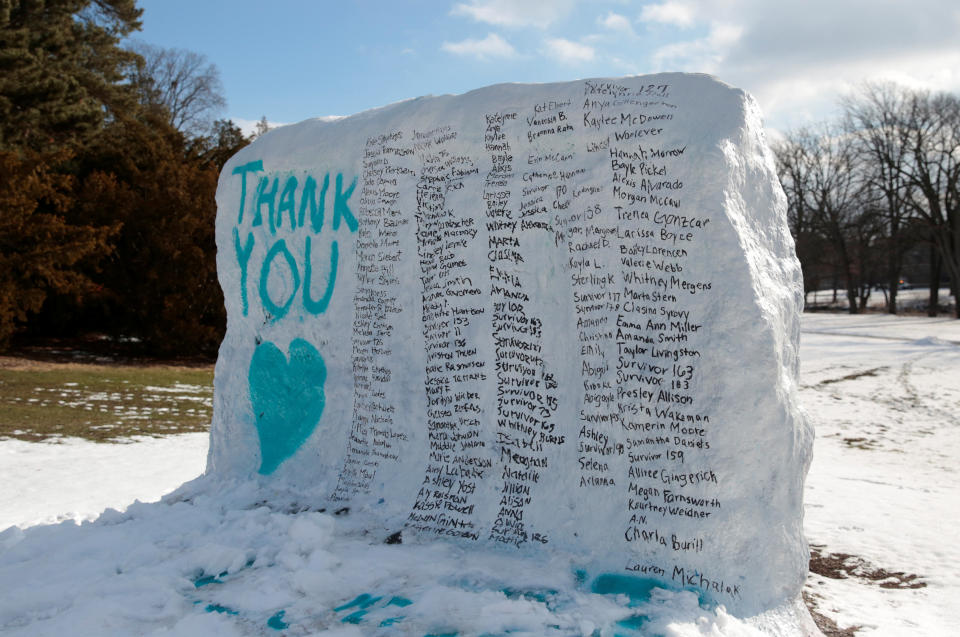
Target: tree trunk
(852, 300)
(853, 293)
(864, 297)
(955, 291)
(894, 265)
(935, 269)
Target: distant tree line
(865, 191)
(110, 155)
(109, 160)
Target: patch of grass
(845, 565)
(827, 626)
(853, 376)
(860, 443)
(103, 402)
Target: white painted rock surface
(557, 318)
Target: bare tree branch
(183, 83)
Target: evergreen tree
(39, 249)
(61, 79)
(227, 139)
(160, 281)
(61, 69)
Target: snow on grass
(76, 479)
(103, 403)
(882, 496)
(882, 504)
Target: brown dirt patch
(845, 565)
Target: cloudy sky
(295, 59)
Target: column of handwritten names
(526, 390)
(373, 437)
(665, 433)
(458, 458)
(586, 227)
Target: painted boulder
(543, 318)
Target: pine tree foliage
(159, 282)
(39, 249)
(61, 69)
(107, 204)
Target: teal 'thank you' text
(298, 208)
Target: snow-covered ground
(884, 396)
(883, 513)
(76, 479)
(912, 299)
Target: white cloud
(626, 67)
(679, 14)
(516, 13)
(568, 51)
(797, 56)
(492, 46)
(616, 22)
(809, 95)
(703, 55)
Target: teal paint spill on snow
(355, 618)
(287, 398)
(276, 622)
(360, 601)
(206, 579)
(638, 589)
(636, 622)
(541, 596)
(390, 621)
(399, 601)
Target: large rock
(547, 318)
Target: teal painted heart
(287, 399)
